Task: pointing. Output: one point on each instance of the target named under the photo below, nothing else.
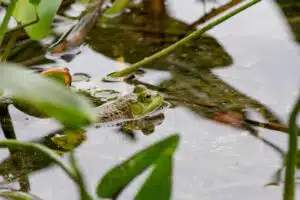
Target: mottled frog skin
(135, 105)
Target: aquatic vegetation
(144, 35)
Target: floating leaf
(61, 75)
(25, 12)
(79, 77)
(47, 96)
(66, 141)
(117, 7)
(120, 176)
(159, 183)
(106, 95)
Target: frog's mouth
(142, 109)
(162, 108)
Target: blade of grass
(188, 38)
(291, 160)
(83, 191)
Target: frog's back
(119, 109)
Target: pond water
(214, 161)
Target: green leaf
(47, 96)
(120, 176)
(35, 2)
(117, 7)
(25, 12)
(159, 183)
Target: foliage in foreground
(73, 111)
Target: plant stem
(188, 38)
(83, 191)
(272, 126)
(6, 19)
(9, 133)
(6, 123)
(48, 152)
(9, 46)
(289, 186)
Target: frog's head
(147, 101)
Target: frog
(140, 103)
(146, 125)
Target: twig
(216, 11)
(255, 134)
(181, 42)
(272, 126)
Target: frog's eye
(139, 89)
(145, 97)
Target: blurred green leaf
(117, 7)
(47, 96)
(35, 2)
(28, 108)
(120, 176)
(25, 12)
(298, 160)
(159, 183)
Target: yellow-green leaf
(47, 96)
(113, 183)
(159, 183)
(25, 12)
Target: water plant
(48, 94)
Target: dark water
(214, 161)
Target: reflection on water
(209, 80)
